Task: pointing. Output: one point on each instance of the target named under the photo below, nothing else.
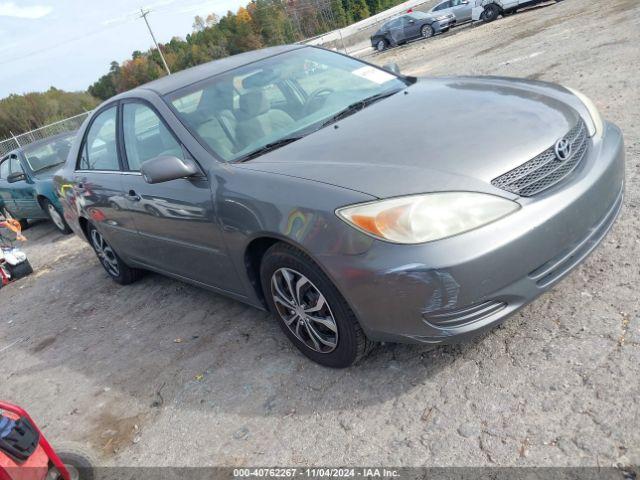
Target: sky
(69, 44)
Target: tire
(119, 271)
(80, 464)
(381, 45)
(24, 224)
(19, 271)
(426, 31)
(491, 12)
(56, 217)
(318, 298)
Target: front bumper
(448, 290)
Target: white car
(489, 10)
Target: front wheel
(119, 271)
(310, 310)
(490, 13)
(426, 31)
(381, 45)
(56, 217)
(24, 224)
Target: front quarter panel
(253, 205)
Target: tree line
(261, 23)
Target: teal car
(26, 181)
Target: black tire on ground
(59, 222)
(19, 271)
(491, 12)
(24, 224)
(80, 464)
(381, 45)
(352, 345)
(426, 31)
(115, 267)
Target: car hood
(437, 135)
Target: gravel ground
(161, 373)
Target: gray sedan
(337, 200)
(461, 9)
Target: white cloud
(10, 9)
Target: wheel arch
(254, 253)
(84, 226)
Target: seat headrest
(254, 103)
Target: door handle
(133, 196)
(80, 186)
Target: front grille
(464, 316)
(546, 169)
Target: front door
(6, 200)
(411, 27)
(23, 194)
(179, 230)
(98, 182)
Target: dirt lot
(161, 373)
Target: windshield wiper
(356, 107)
(48, 167)
(269, 147)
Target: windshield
(280, 97)
(48, 154)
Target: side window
(99, 150)
(4, 168)
(146, 136)
(15, 165)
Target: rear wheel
(426, 31)
(310, 310)
(56, 216)
(119, 271)
(381, 45)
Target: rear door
(179, 230)
(461, 9)
(98, 181)
(396, 32)
(442, 8)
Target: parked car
(461, 9)
(26, 181)
(409, 27)
(339, 201)
(489, 10)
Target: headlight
(424, 218)
(597, 126)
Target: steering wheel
(315, 96)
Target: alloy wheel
(106, 255)
(427, 31)
(304, 310)
(381, 45)
(55, 217)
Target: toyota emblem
(563, 149)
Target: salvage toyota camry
(350, 201)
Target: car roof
(175, 81)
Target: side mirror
(16, 177)
(166, 168)
(392, 67)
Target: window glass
(146, 136)
(50, 154)
(100, 149)
(15, 165)
(241, 111)
(455, 3)
(4, 169)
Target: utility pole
(143, 14)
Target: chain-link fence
(70, 124)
